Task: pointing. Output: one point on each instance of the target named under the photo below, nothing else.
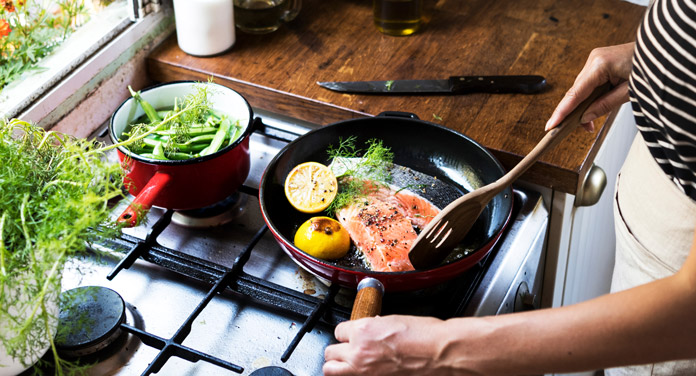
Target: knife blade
(527, 84)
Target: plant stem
(42, 295)
(56, 182)
(25, 230)
(145, 134)
(2, 245)
(56, 357)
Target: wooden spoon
(452, 224)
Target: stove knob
(525, 300)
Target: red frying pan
(422, 146)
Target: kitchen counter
(335, 40)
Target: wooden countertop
(335, 40)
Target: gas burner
(89, 320)
(271, 371)
(89, 328)
(214, 215)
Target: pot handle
(368, 301)
(143, 202)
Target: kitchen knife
(452, 85)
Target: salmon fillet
(417, 209)
(381, 226)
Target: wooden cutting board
(335, 40)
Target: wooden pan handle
(368, 301)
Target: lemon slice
(310, 187)
(323, 237)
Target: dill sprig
(358, 173)
(54, 191)
(195, 110)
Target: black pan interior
(452, 158)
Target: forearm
(649, 323)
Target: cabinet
(580, 246)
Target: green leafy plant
(30, 30)
(54, 193)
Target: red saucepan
(183, 184)
(451, 157)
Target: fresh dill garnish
(136, 131)
(196, 107)
(353, 169)
(345, 149)
(349, 191)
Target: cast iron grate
(230, 279)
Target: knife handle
(497, 84)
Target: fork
(452, 224)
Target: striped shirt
(662, 88)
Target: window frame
(112, 38)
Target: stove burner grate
(325, 311)
(233, 280)
(223, 279)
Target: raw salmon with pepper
(417, 209)
(382, 226)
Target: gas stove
(210, 292)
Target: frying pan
(428, 148)
(183, 184)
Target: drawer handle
(592, 188)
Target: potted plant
(54, 193)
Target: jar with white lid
(204, 27)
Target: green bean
(152, 142)
(236, 134)
(159, 151)
(211, 120)
(219, 115)
(202, 138)
(147, 155)
(220, 135)
(147, 107)
(197, 143)
(153, 156)
(179, 156)
(141, 151)
(191, 148)
(192, 131)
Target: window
(71, 69)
